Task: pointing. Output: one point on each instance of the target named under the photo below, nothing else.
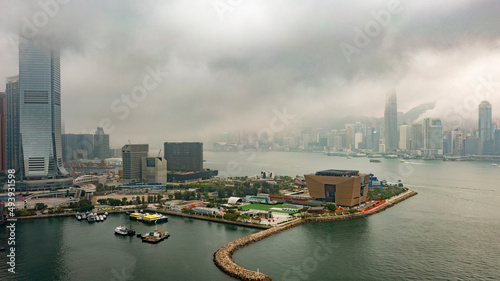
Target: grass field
(264, 207)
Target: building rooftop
(338, 173)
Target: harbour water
(450, 230)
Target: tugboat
(155, 236)
(124, 231)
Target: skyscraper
(433, 136)
(391, 122)
(484, 125)
(14, 156)
(486, 142)
(132, 155)
(184, 156)
(101, 144)
(40, 109)
(404, 137)
(3, 133)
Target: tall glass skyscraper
(485, 131)
(40, 109)
(486, 141)
(391, 136)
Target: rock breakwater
(223, 258)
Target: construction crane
(159, 152)
(129, 142)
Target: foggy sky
(225, 65)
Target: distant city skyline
(174, 71)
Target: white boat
(124, 231)
(79, 217)
(494, 164)
(106, 214)
(101, 217)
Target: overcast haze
(221, 70)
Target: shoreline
(223, 257)
(168, 212)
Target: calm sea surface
(449, 231)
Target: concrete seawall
(223, 258)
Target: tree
(40, 206)
(83, 205)
(330, 207)
(170, 196)
(124, 201)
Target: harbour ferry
(124, 231)
(155, 236)
(154, 219)
(375, 160)
(135, 216)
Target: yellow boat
(135, 216)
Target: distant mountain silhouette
(418, 110)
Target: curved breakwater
(223, 258)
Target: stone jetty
(223, 258)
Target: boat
(154, 219)
(375, 156)
(124, 231)
(348, 157)
(79, 217)
(101, 217)
(494, 164)
(106, 214)
(135, 216)
(91, 218)
(84, 217)
(155, 236)
(375, 160)
(391, 156)
(360, 155)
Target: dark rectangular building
(184, 156)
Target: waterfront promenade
(223, 258)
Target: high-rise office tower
(101, 144)
(391, 122)
(40, 108)
(14, 156)
(433, 136)
(484, 125)
(132, 155)
(404, 137)
(486, 141)
(3, 133)
(184, 156)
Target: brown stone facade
(347, 189)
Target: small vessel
(155, 236)
(135, 216)
(84, 216)
(154, 219)
(494, 164)
(124, 231)
(391, 156)
(91, 218)
(348, 157)
(106, 214)
(375, 161)
(79, 217)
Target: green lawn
(264, 207)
